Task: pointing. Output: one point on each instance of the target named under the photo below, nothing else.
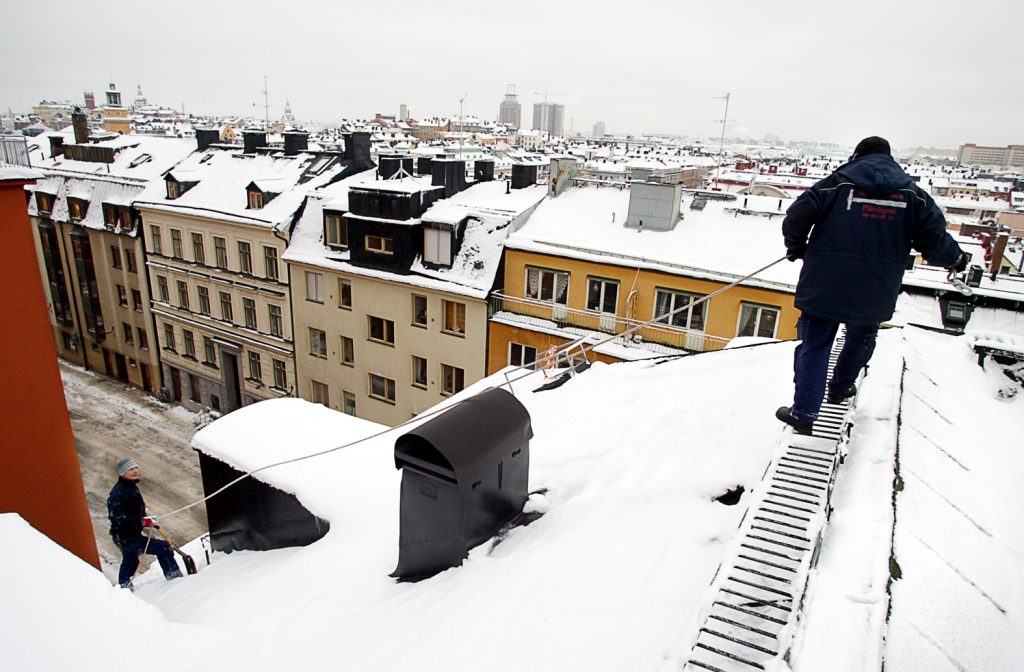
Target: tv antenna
(461, 100)
(721, 142)
(266, 102)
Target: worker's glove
(149, 521)
(961, 264)
(797, 252)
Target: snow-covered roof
(139, 158)
(718, 242)
(9, 173)
(615, 573)
(223, 175)
(485, 207)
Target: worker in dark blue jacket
(128, 517)
(854, 231)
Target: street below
(110, 421)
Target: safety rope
(527, 369)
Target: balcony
(571, 323)
(14, 150)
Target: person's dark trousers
(810, 362)
(131, 549)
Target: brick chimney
(80, 123)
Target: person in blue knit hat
(128, 518)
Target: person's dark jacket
(125, 508)
(857, 227)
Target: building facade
(1011, 156)
(510, 112)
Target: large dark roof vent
(206, 137)
(252, 140)
(295, 142)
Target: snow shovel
(190, 564)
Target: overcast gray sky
(919, 73)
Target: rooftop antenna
(721, 142)
(461, 123)
(266, 102)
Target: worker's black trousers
(132, 548)
(810, 362)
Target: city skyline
(915, 77)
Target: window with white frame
(419, 310)
(198, 248)
(454, 317)
(209, 352)
(317, 342)
(419, 371)
(255, 366)
(349, 402)
(161, 289)
(321, 393)
(521, 355)
(348, 351)
(155, 239)
(379, 244)
(249, 312)
(437, 246)
(270, 262)
(204, 299)
(245, 257)
(602, 295)
(280, 375)
(344, 293)
(276, 321)
(758, 320)
(688, 316)
(314, 287)
(546, 285)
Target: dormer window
(336, 232)
(44, 203)
(176, 187)
(255, 200)
(173, 189)
(77, 209)
(437, 245)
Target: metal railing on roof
(14, 150)
(656, 337)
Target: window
(255, 367)
(115, 256)
(419, 310)
(136, 301)
(379, 244)
(276, 323)
(382, 388)
(381, 330)
(129, 258)
(173, 189)
(336, 231)
(314, 287)
(124, 215)
(198, 248)
(270, 262)
(419, 371)
(452, 379)
(204, 299)
(255, 200)
(226, 309)
(176, 244)
(220, 247)
(280, 375)
(70, 341)
(454, 317)
(321, 393)
(169, 337)
(547, 285)
(44, 203)
(521, 355)
(688, 317)
(156, 239)
(77, 209)
(249, 312)
(348, 351)
(129, 333)
(143, 338)
(195, 393)
(182, 295)
(190, 343)
(350, 402)
(602, 295)
(317, 342)
(161, 288)
(437, 246)
(757, 320)
(245, 257)
(209, 352)
(109, 215)
(344, 293)
(122, 296)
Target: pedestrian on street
(128, 517)
(854, 231)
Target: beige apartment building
(216, 230)
(390, 282)
(978, 155)
(90, 250)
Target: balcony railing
(659, 338)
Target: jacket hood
(875, 174)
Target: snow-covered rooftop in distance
(490, 214)
(402, 185)
(587, 222)
(222, 176)
(136, 157)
